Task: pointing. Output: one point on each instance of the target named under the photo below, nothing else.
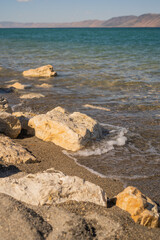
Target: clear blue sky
(73, 10)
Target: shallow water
(115, 69)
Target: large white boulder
(70, 131)
(11, 152)
(52, 187)
(44, 71)
(9, 125)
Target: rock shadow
(6, 171)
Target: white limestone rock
(9, 125)
(44, 71)
(11, 152)
(70, 131)
(52, 187)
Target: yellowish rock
(70, 131)
(11, 152)
(142, 209)
(44, 71)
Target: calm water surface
(117, 69)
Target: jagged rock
(52, 187)
(142, 209)
(9, 125)
(70, 131)
(31, 95)
(4, 107)
(11, 152)
(24, 119)
(20, 86)
(18, 222)
(44, 71)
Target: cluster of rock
(53, 187)
(11, 127)
(71, 131)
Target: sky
(73, 10)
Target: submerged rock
(44, 71)
(31, 95)
(9, 125)
(4, 107)
(52, 187)
(20, 86)
(18, 222)
(70, 131)
(142, 209)
(11, 152)
(44, 85)
(96, 107)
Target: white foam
(89, 169)
(115, 138)
(15, 106)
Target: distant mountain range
(145, 20)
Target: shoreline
(51, 156)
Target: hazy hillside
(145, 20)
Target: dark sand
(50, 156)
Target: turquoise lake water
(116, 69)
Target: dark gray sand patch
(20, 222)
(95, 222)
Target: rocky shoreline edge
(74, 204)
